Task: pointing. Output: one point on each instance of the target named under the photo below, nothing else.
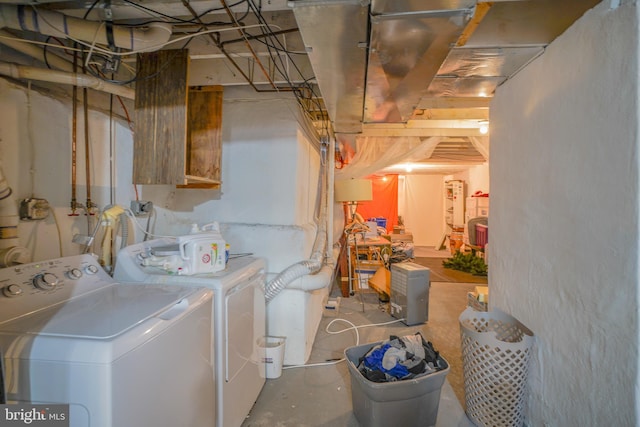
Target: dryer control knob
(12, 291)
(74, 273)
(91, 269)
(46, 281)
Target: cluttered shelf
(368, 260)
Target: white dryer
(239, 322)
(118, 355)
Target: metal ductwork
(408, 43)
(379, 58)
(338, 56)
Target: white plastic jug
(202, 253)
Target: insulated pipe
(56, 24)
(10, 252)
(36, 52)
(32, 73)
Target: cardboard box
(404, 237)
(472, 301)
(482, 292)
(364, 270)
(381, 281)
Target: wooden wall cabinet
(178, 134)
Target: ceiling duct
(338, 55)
(409, 41)
(373, 64)
(509, 35)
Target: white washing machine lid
(100, 315)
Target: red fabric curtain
(385, 201)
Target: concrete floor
(319, 394)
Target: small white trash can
(272, 349)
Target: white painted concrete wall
(266, 205)
(421, 204)
(269, 182)
(421, 201)
(476, 178)
(35, 155)
(564, 219)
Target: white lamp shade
(353, 190)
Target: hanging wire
(279, 55)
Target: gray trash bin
(407, 403)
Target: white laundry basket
(496, 349)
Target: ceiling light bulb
(408, 168)
(484, 128)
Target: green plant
(467, 262)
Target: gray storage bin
(404, 403)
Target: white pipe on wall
(10, 252)
(56, 24)
(81, 80)
(36, 52)
(318, 280)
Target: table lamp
(352, 191)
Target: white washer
(118, 355)
(239, 322)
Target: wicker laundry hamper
(496, 349)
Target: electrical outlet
(141, 207)
(34, 209)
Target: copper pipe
(87, 157)
(74, 140)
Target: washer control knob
(12, 291)
(74, 273)
(45, 281)
(91, 269)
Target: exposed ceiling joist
(423, 132)
(380, 68)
